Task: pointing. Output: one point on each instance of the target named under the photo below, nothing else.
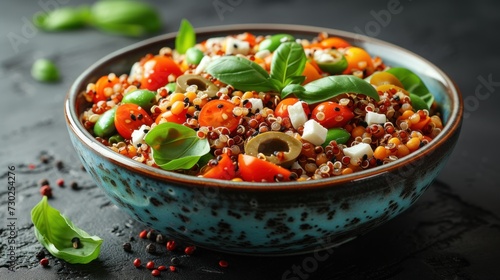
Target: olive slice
(184, 81)
(278, 147)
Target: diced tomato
(130, 117)
(253, 169)
(157, 71)
(225, 169)
(171, 117)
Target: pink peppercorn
(60, 182)
(137, 262)
(143, 234)
(162, 268)
(46, 190)
(44, 262)
(189, 250)
(171, 245)
(223, 263)
(150, 265)
(172, 268)
(155, 272)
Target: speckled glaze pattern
(257, 219)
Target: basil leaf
(418, 103)
(186, 37)
(176, 146)
(55, 232)
(413, 84)
(241, 73)
(288, 61)
(329, 87)
(125, 17)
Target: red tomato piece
(331, 114)
(281, 109)
(224, 170)
(171, 117)
(100, 85)
(219, 113)
(129, 117)
(156, 72)
(253, 169)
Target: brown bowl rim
(451, 127)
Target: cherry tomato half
(129, 117)
(100, 85)
(331, 114)
(156, 72)
(219, 113)
(171, 117)
(225, 169)
(281, 109)
(253, 169)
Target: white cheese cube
(263, 54)
(215, 42)
(235, 46)
(256, 104)
(358, 151)
(314, 132)
(204, 63)
(297, 115)
(375, 118)
(139, 134)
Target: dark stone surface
(452, 232)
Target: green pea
(142, 97)
(171, 87)
(194, 56)
(338, 134)
(115, 139)
(44, 70)
(105, 125)
(273, 42)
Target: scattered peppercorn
(40, 255)
(160, 239)
(175, 261)
(152, 235)
(74, 185)
(59, 164)
(151, 248)
(44, 159)
(155, 272)
(162, 268)
(46, 190)
(137, 262)
(223, 263)
(189, 250)
(44, 182)
(150, 265)
(60, 182)
(31, 166)
(143, 234)
(44, 262)
(127, 247)
(76, 242)
(172, 268)
(171, 245)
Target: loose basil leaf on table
(241, 73)
(413, 84)
(329, 87)
(288, 63)
(176, 146)
(55, 232)
(186, 37)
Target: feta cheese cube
(314, 132)
(235, 46)
(139, 134)
(256, 104)
(204, 63)
(358, 151)
(263, 54)
(375, 118)
(297, 115)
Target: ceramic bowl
(265, 219)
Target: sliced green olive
(278, 147)
(335, 64)
(117, 138)
(142, 97)
(338, 134)
(273, 42)
(184, 81)
(105, 125)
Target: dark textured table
(452, 232)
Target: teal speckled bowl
(259, 219)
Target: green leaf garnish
(288, 63)
(413, 84)
(64, 18)
(186, 37)
(241, 73)
(55, 232)
(329, 87)
(176, 146)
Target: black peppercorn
(127, 247)
(175, 261)
(40, 255)
(151, 248)
(160, 239)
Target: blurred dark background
(452, 232)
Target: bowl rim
(451, 127)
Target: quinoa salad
(262, 108)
